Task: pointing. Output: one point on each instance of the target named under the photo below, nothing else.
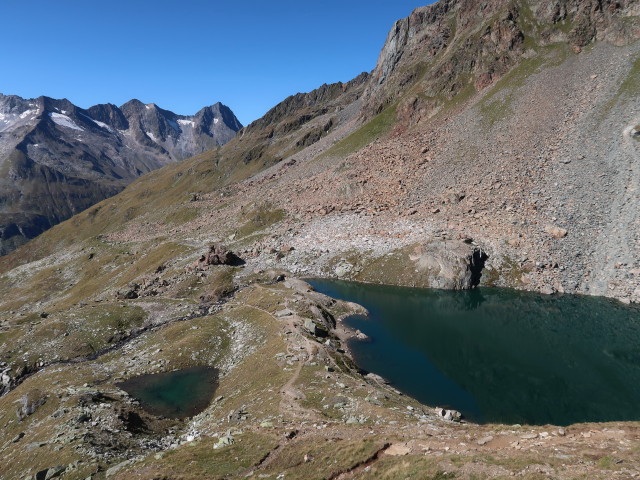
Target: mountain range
(57, 159)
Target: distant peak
(134, 102)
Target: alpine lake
(499, 355)
(178, 394)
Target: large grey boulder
(449, 264)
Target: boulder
(224, 441)
(398, 449)
(547, 290)
(55, 472)
(310, 326)
(217, 255)
(450, 415)
(555, 231)
(343, 268)
(449, 264)
(29, 403)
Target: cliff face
(440, 49)
(57, 159)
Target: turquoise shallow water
(500, 355)
(178, 394)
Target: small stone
(224, 441)
(555, 231)
(398, 449)
(561, 432)
(547, 290)
(529, 436)
(484, 440)
(54, 472)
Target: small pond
(178, 394)
(501, 355)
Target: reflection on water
(178, 394)
(500, 355)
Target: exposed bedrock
(453, 265)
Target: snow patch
(187, 123)
(64, 121)
(28, 113)
(100, 124)
(215, 120)
(174, 125)
(151, 136)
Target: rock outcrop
(436, 48)
(452, 265)
(217, 255)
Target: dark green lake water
(500, 355)
(178, 394)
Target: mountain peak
(91, 153)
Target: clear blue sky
(185, 54)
